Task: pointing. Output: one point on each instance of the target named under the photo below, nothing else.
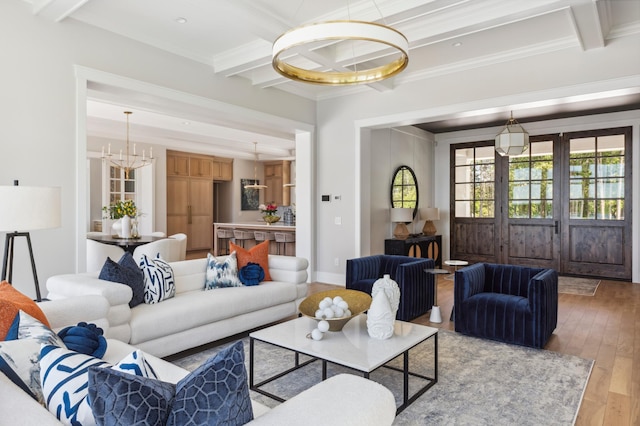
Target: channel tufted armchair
(509, 303)
(416, 286)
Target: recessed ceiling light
(457, 44)
(181, 20)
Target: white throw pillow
(159, 284)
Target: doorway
(565, 203)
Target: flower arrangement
(269, 213)
(268, 210)
(119, 209)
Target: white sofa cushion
(196, 308)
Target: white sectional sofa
(193, 316)
(343, 399)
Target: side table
(455, 264)
(435, 316)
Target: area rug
(579, 286)
(480, 382)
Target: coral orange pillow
(12, 301)
(258, 254)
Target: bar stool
(224, 235)
(261, 236)
(284, 238)
(241, 236)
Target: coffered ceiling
(234, 37)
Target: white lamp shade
(430, 213)
(404, 215)
(513, 140)
(28, 208)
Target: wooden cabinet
(177, 164)
(190, 195)
(276, 174)
(190, 210)
(199, 166)
(428, 246)
(222, 169)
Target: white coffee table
(352, 347)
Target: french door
(564, 204)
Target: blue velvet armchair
(416, 286)
(509, 303)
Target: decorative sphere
(316, 334)
(343, 304)
(323, 326)
(320, 313)
(328, 313)
(337, 300)
(324, 304)
(339, 312)
(347, 313)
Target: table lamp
(429, 214)
(26, 208)
(401, 216)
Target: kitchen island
(222, 234)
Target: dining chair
(97, 254)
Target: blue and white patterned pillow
(222, 274)
(65, 376)
(19, 358)
(159, 284)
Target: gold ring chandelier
(285, 46)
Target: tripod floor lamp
(26, 208)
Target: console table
(426, 246)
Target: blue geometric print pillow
(121, 399)
(222, 274)
(159, 284)
(216, 393)
(65, 376)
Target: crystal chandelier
(128, 161)
(325, 33)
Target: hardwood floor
(605, 328)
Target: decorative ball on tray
(318, 305)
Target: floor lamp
(26, 208)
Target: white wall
(38, 106)
(343, 125)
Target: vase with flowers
(269, 213)
(122, 212)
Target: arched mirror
(404, 189)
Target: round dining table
(128, 244)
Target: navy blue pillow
(12, 333)
(216, 393)
(119, 398)
(251, 274)
(126, 271)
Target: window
(119, 187)
(474, 177)
(596, 177)
(531, 182)
(404, 189)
